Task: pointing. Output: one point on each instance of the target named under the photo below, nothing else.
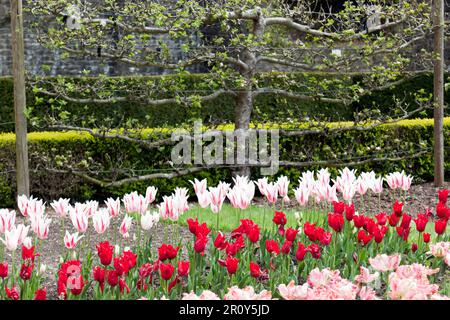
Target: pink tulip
(272, 192)
(301, 195)
(125, 226)
(148, 220)
(348, 192)
(377, 186)
(248, 293)
(91, 207)
(7, 220)
(383, 262)
(361, 186)
(30, 205)
(15, 237)
(323, 176)
(150, 194)
(283, 186)
(41, 227)
(101, 220)
(71, 240)
(61, 207)
(180, 197)
(204, 199)
(113, 207)
(217, 196)
(79, 218)
(262, 186)
(135, 203)
(168, 209)
(199, 186)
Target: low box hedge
(104, 158)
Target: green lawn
(229, 217)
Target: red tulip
(336, 221)
(200, 244)
(378, 234)
(301, 252)
(325, 237)
(364, 237)
(231, 265)
(370, 225)
(441, 210)
(443, 195)
(131, 258)
(310, 231)
(398, 208)
(40, 294)
(3, 270)
(349, 212)
(98, 273)
(183, 268)
(403, 232)
(315, 250)
(338, 207)
(272, 246)
(166, 270)
(414, 247)
(253, 234)
(393, 220)
(406, 221)
(167, 251)
(440, 225)
(255, 270)
(193, 224)
(121, 265)
(123, 286)
(26, 272)
(105, 253)
(426, 237)
(112, 277)
(291, 234)
(381, 218)
(12, 293)
(421, 222)
(220, 242)
(359, 220)
(233, 248)
(286, 247)
(28, 254)
(279, 218)
(202, 230)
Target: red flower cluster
(105, 253)
(167, 251)
(317, 233)
(336, 221)
(201, 232)
(70, 278)
(280, 220)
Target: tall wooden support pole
(22, 173)
(438, 45)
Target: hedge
(267, 107)
(83, 152)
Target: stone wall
(36, 56)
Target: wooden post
(438, 48)
(22, 172)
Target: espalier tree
(320, 55)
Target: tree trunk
(243, 111)
(438, 13)
(22, 174)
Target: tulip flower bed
(324, 246)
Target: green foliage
(268, 107)
(117, 159)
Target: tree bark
(243, 111)
(22, 172)
(438, 44)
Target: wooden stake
(22, 172)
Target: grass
(229, 217)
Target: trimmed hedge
(109, 157)
(267, 107)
